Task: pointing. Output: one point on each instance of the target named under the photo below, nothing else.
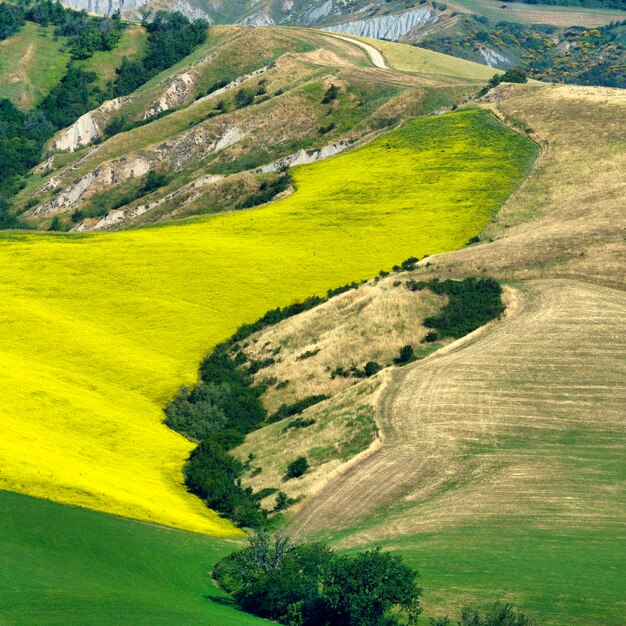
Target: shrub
(154, 180)
(330, 94)
(299, 422)
(307, 354)
(297, 468)
(243, 98)
(323, 130)
(371, 368)
(56, 223)
(499, 614)
(406, 354)
(431, 336)
(287, 410)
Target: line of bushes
(221, 409)
(225, 404)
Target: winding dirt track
(375, 55)
(554, 365)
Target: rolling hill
(499, 457)
(225, 121)
(85, 448)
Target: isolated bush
(330, 94)
(371, 368)
(154, 180)
(406, 354)
(288, 410)
(243, 98)
(297, 468)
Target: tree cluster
(171, 37)
(472, 302)
(310, 585)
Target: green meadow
(74, 567)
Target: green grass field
(560, 576)
(100, 329)
(540, 14)
(72, 567)
(132, 44)
(31, 63)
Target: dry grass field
(568, 219)
(499, 425)
(370, 323)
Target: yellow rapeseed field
(99, 330)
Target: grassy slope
(132, 44)
(31, 63)
(540, 14)
(101, 329)
(62, 565)
(413, 59)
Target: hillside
(242, 107)
(503, 453)
(84, 449)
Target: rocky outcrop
(318, 13)
(183, 196)
(88, 126)
(130, 8)
(260, 18)
(179, 151)
(392, 27)
(178, 90)
(302, 157)
(493, 58)
(108, 174)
